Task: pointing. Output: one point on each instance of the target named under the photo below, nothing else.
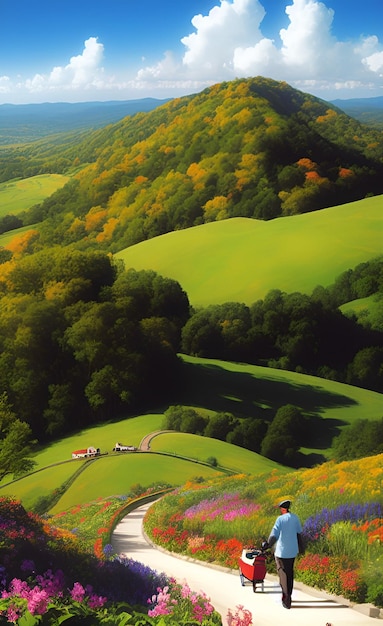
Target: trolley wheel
(242, 578)
(258, 582)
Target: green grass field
(20, 194)
(242, 259)
(5, 238)
(30, 488)
(369, 311)
(227, 455)
(254, 391)
(114, 474)
(244, 390)
(129, 432)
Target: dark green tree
(361, 439)
(220, 425)
(285, 435)
(15, 442)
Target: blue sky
(67, 50)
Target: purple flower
(109, 550)
(314, 525)
(77, 593)
(96, 602)
(38, 601)
(27, 566)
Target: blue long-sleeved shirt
(285, 531)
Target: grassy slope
(115, 474)
(7, 237)
(369, 310)
(227, 455)
(242, 259)
(30, 488)
(19, 195)
(245, 390)
(254, 391)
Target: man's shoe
(286, 602)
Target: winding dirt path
(145, 442)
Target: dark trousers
(285, 570)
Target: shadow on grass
(247, 396)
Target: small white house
(85, 453)
(119, 447)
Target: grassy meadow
(211, 386)
(255, 391)
(227, 455)
(368, 310)
(113, 474)
(20, 194)
(7, 237)
(104, 477)
(241, 259)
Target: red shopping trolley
(252, 567)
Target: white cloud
(5, 84)
(227, 43)
(307, 36)
(211, 49)
(375, 62)
(83, 71)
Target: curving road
(223, 586)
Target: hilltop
(252, 148)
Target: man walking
(286, 534)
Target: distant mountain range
(366, 110)
(20, 123)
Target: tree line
(82, 340)
(280, 438)
(298, 332)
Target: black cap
(285, 504)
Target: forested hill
(251, 148)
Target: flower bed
(340, 506)
(47, 577)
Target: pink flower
(38, 601)
(19, 587)
(77, 593)
(96, 602)
(242, 617)
(12, 614)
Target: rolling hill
(241, 259)
(253, 148)
(19, 195)
(245, 187)
(366, 110)
(117, 473)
